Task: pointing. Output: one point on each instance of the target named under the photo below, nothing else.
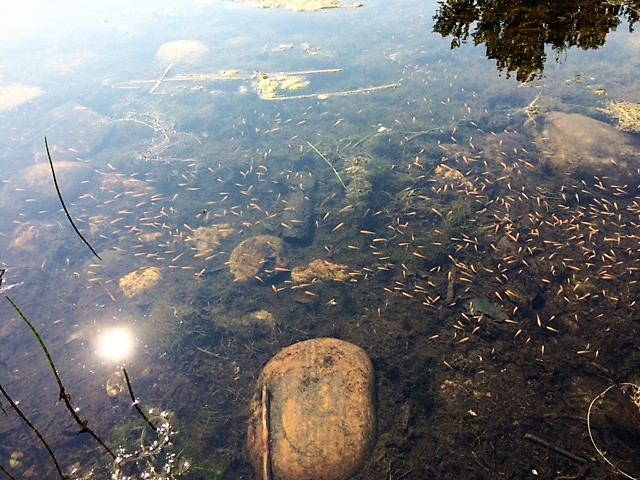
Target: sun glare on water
(116, 344)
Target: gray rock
(299, 212)
(585, 148)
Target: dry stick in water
(64, 396)
(266, 454)
(35, 430)
(55, 182)
(135, 402)
(164, 75)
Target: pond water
(454, 190)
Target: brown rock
(257, 257)
(35, 235)
(32, 188)
(140, 281)
(319, 410)
(585, 148)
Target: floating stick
(55, 182)
(135, 402)
(203, 77)
(328, 163)
(164, 75)
(219, 76)
(35, 430)
(64, 396)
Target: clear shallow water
(155, 166)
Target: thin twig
(55, 182)
(63, 395)
(328, 163)
(135, 402)
(34, 429)
(593, 442)
(164, 75)
(555, 448)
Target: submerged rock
(299, 214)
(313, 413)
(73, 130)
(181, 51)
(32, 187)
(140, 281)
(35, 235)
(206, 240)
(12, 96)
(260, 257)
(584, 148)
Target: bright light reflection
(116, 344)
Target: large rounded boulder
(313, 412)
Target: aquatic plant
(359, 187)
(152, 457)
(634, 397)
(63, 395)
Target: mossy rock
(316, 399)
(260, 257)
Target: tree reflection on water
(516, 33)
